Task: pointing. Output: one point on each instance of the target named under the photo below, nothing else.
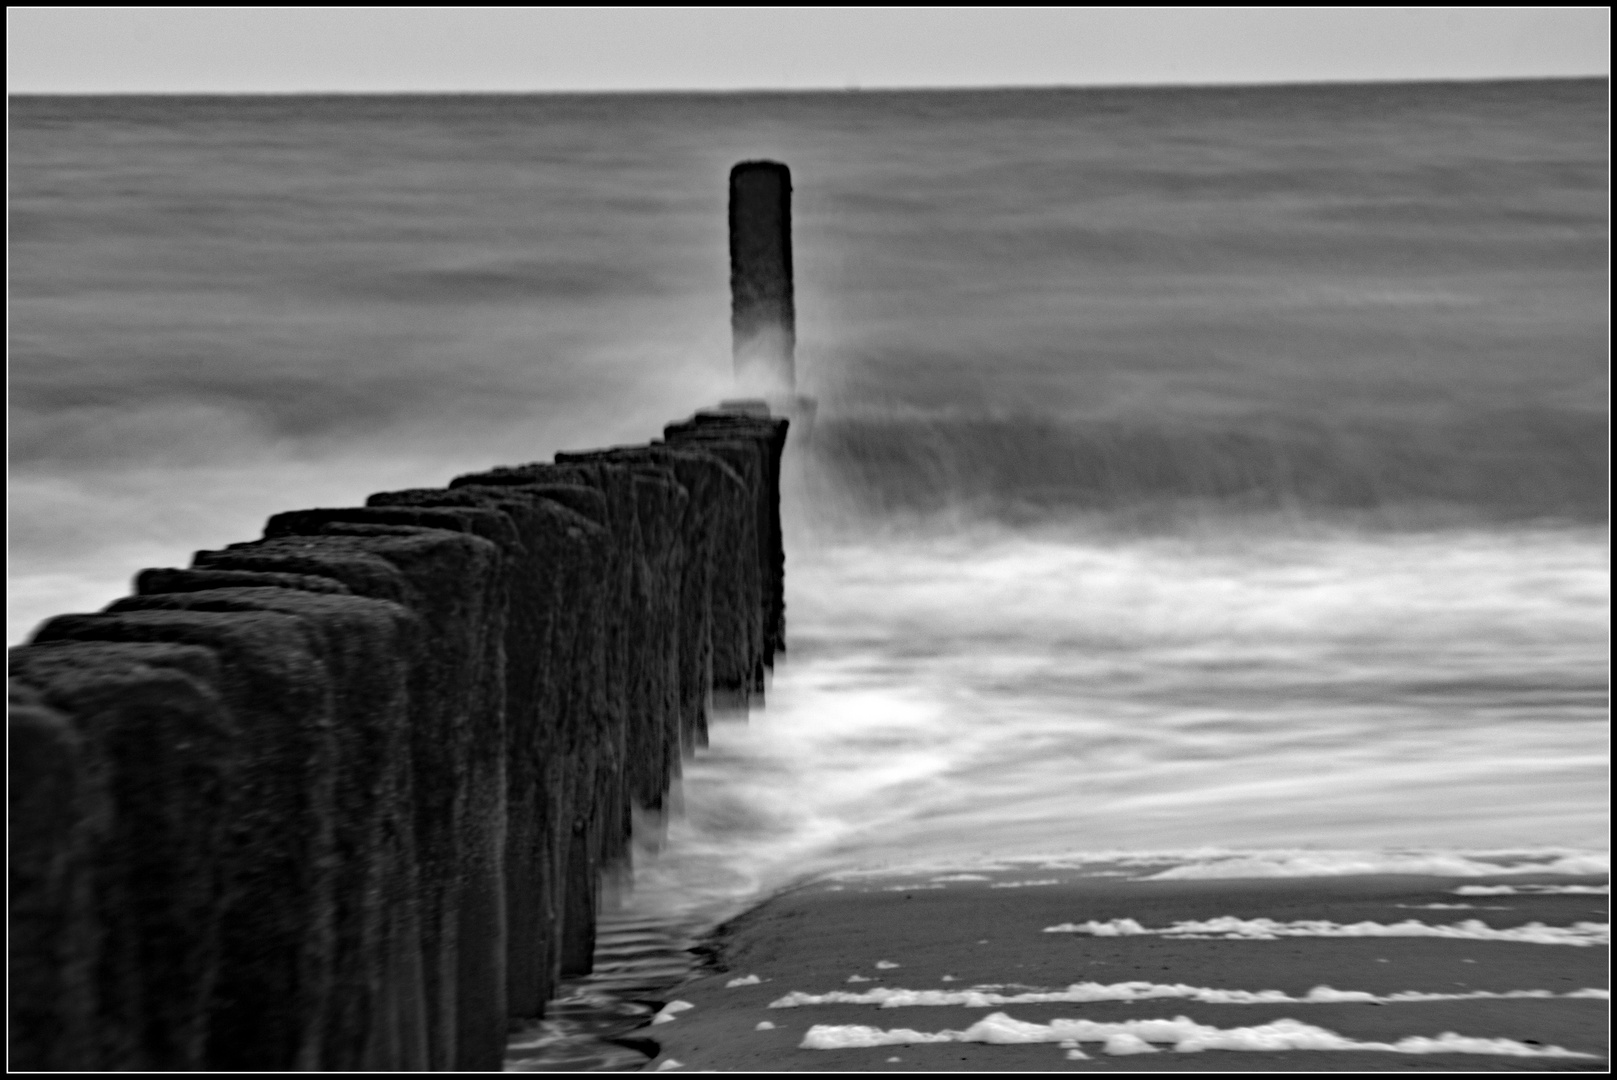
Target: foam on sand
(1185, 1036)
(1533, 890)
(1264, 864)
(667, 1012)
(1534, 933)
(1221, 863)
(981, 997)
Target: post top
(761, 165)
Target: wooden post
(763, 318)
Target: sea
(1212, 475)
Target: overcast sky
(190, 50)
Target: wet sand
(982, 932)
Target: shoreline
(981, 930)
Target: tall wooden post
(763, 317)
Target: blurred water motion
(1020, 697)
(1193, 466)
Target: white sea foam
(1533, 890)
(1535, 933)
(1220, 863)
(667, 1012)
(1125, 1042)
(1182, 1033)
(981, 997)
(745, 980)
(1024, 884)
(1338, 863)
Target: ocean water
(1195, 470)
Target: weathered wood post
(763, 316)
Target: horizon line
(849, 89)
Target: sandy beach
(988, 931)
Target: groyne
(342, 797)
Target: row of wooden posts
(342, 797)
